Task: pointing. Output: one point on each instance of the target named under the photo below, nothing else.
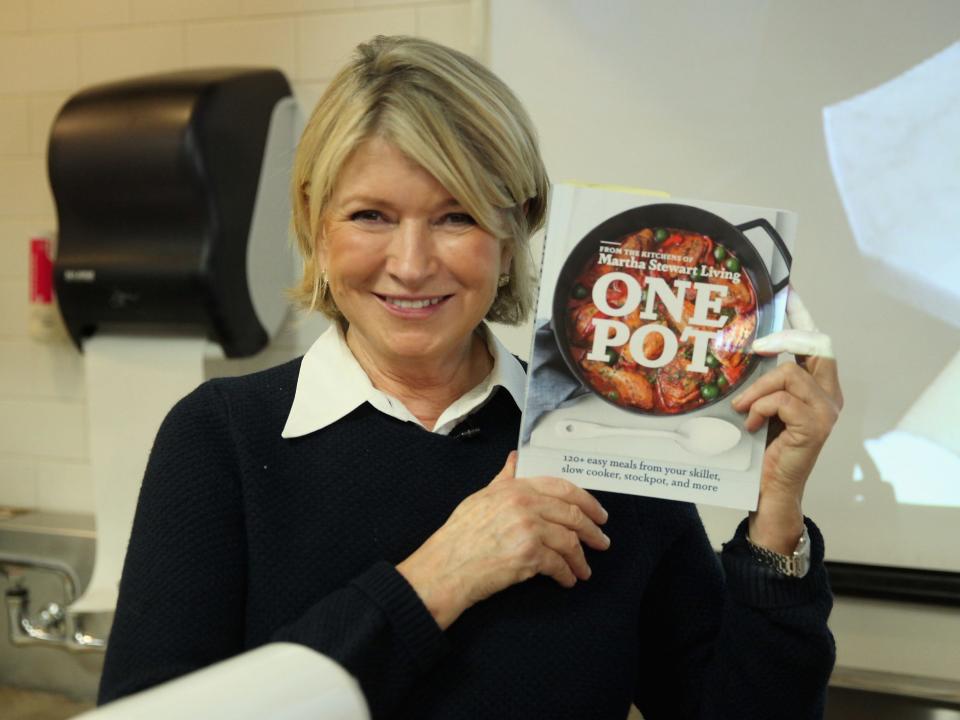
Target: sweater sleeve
(182, 594)
(378, 629)
(754, 644)
(182, 602)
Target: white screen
(725, 101)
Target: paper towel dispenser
(171, 194)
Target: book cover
(646, 314)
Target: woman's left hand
(805, 399)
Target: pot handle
(781, 248)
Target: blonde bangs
(450, 115)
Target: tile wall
(49, 49)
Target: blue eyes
(456, 219)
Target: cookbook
(646, 313)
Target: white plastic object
(280, 681)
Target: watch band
(795, 565)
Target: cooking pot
(681, 217)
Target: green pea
(732, 264)
(696, 275)
(722, 382)
(612, 357)
(579, 292)
(613, 395)
(709, 392)
(660, 234)
(719, 252)
(712, 361)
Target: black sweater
(242, 537)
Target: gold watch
(795, 565)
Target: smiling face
(408, 267)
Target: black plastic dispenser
(170, 216)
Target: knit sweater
(242, 538)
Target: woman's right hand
(506, 533)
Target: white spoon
(701, 436)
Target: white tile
(38, 63)
(13, 307)
(42, 111)
(18, 485)
(119, 54)
(14, 127)
(64, 487)
(58, 371)
(43, 428)
(448, 25)
(326, 42)
(14, 17)
(16, 367)
(287, 7)
(15, 234)
(75, 14)
(23, 187)
(172, 10)
(268, 43)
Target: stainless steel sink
(844, 704)
(870, 695)
(50, 538)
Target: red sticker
(41, 271)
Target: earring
(503, 280)
(320, 286)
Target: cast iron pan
(683, 217)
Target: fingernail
(760, 344)
(606, 515)
(606, 539)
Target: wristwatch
(795, 565)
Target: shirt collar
(331, 384)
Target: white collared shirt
(332, 384)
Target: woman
(363, 502)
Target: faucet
(54, 625)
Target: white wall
(723, 101)
(51, 48)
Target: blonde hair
(450, 115)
